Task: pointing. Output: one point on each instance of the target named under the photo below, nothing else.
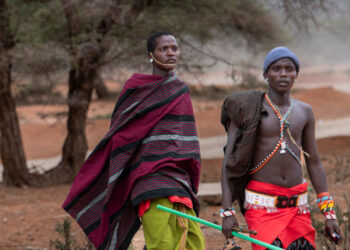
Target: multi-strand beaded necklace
(282, 141)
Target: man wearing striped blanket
(149, 156)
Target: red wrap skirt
(287, 224)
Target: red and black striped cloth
(151, 150)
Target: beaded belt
(269, 201)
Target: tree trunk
(100, 88)
(81, 84)
(11, 146)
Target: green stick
(207, 223)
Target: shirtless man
(267, 133)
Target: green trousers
(167, 231)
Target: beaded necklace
(282, 142)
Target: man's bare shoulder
(304, 107)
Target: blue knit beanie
(277, 54)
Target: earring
(151, 60)
(266, 79)
(295, 80)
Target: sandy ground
(28, 216)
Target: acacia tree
(86, 47)
(99, 32)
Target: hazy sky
(329, 43)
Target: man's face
(281, 75)
(166, 51)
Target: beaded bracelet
(325, 203)
(227, 212)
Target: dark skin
(283, 169)
(165, 55)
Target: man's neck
(278, 98)
(160, 72)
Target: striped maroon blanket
(151, 150)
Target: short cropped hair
(151, 41)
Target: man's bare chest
(270, 123)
